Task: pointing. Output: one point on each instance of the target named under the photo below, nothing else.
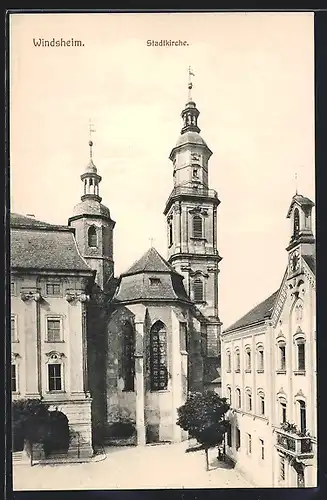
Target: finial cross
(91, 130)
(190, 84)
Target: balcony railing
(193, 191)
(299, 446)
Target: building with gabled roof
(118, 355)
(269, 371)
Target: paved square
(149, 467)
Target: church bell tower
(94, 226)
(191, 214)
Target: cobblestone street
(161, 466)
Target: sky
(253, 86)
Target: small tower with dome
(94, 226)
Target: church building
(270, 374)
(118, 355)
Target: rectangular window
(238, 362)
(13, 328)
(262, 449)
(282, 357)
(262, 405)
(12, 289)
(283, 412)
(53, 289)
(54, 372)
(13, 378)
(260, 360)
(238, 439)
(249, 402)
(282, 469)
(53, 330)
(228, 362)
(248, 360)
(249, 444)
(301, 357)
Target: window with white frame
(13, 328)
(54, 329)
(262, 449)
(261, 402)
(249, 444)
(260, 358)
(228, 362)
(282, 410)
(300, 354)
(55, 372)
(281, 351)
(238, 398)
(247, 359)
(248, 398)
(302, 415)
(237, 361)
(53, 289)
(14, 380)
(229, 395)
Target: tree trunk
(207, 458)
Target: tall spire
(190, 113)
(90, 177)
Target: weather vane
(190, 84)
(296, 183)
(91, 130)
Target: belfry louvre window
(198, 290)
(197, 226)
(92, 237)
(296, 228)
(128, 356)
(158, 357)
(54, 374)
(170, 229)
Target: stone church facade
(130, 347)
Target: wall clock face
(295, 261)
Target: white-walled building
(269, 371)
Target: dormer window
(155, 281)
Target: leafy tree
(204, 417)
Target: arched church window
(128, 356)
(92, 237)
(296, 228)
(158, 357)
(198, 290)
(197, 226)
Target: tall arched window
(158, 357)
(228, 361)
(92, 237)
(198, 290)
(197, 226)
(296, 228)
(238, 398)
(170, 232)
(247, 359)
(229, 395)
(300, 346)
(261, 402)
(260, 355)
(128, 356)
(237, 361)
(248, 395)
